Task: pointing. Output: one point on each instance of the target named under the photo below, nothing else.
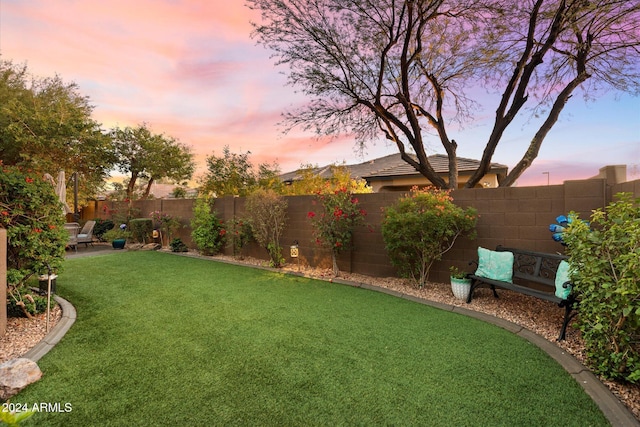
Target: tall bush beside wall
(208, 230)
(333, 226)
(141, 229)
(267, 216)
(422, 226)
(605, 271)
(32, 215)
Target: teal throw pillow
(562, 276)
(495, 265)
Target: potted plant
(460, 284)
(117, 236)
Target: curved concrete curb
(612, 408)
(56, 333)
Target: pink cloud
(190, 70)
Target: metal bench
(531, 268)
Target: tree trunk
(132, 185)
(536, 142)
(334, 261)
(148, 189)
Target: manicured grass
(168, 340)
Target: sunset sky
(190, 70)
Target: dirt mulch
(23, 334)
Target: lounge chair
(72, 228)
(86, 234)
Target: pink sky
(189, 69)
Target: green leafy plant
(101, 227)
(141, 229)
(31, 213)
(333, 227)
(422, 226)
(457, 274)
(117, 233)
(27, 303)
(208, 231)
(605, 272)
(11, 419)
(267, 216)
(177, 245)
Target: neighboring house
(164, 191)
(391, 173)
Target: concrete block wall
(516, 216)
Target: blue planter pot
(118, 243)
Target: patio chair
(72, 228)
(86, 234)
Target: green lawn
(168, 340)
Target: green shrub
(177, 245)
(117, 233)
(208, 231)
(141, 229)
(605, 271)
(27, 303)
(32, 214)
(101, 227)
(333, 227)
(420, 227)
(267, 215)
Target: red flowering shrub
(32, 215)
(333, 227)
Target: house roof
(393, 165)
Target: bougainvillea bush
(422, 226)
(333, 225)
(208, 231)
(605, 271)
(32, 214)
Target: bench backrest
(533, 266)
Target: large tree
(145, 155)
(233, 174)
(46, 126)
(405, 68)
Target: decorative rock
(16, 374)
(144, 247)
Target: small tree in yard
(266, 213)
(421, 227)
(605, 272)
(333, 227)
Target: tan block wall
(516, 217)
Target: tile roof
(393, 165)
